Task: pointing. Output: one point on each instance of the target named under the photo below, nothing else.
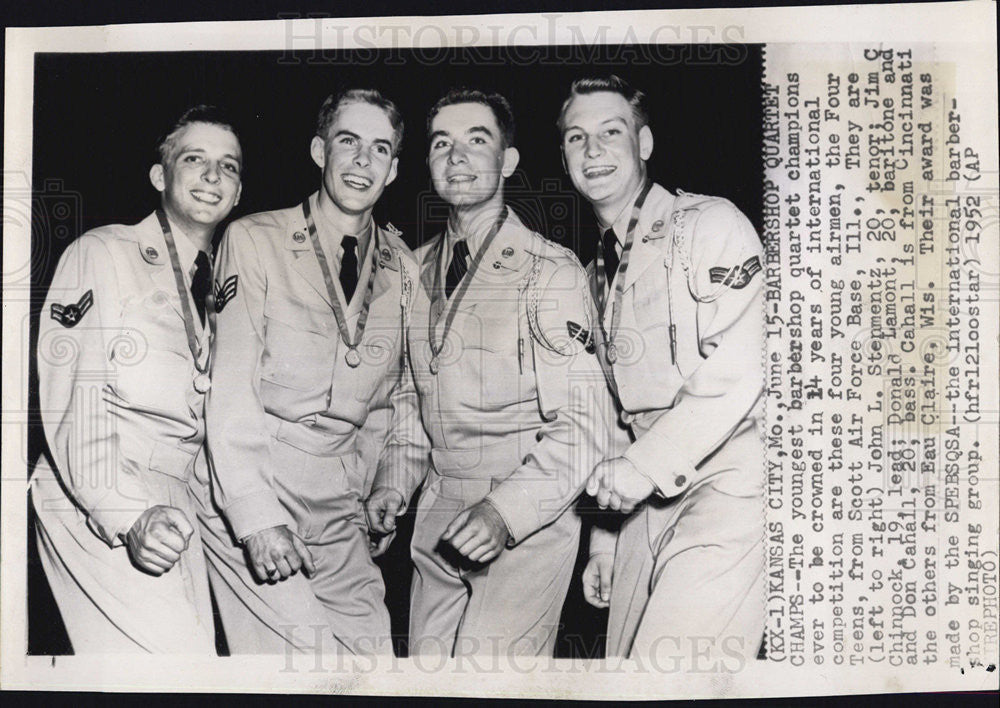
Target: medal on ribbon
(352, 356)
(438, 301)
(612, 350)
(202, 382)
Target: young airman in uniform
(512, 398)
(123, 369)
(677, 279)
(313, 301)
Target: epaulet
(275, 218)
(394, 237)
(550, 250)
(692, 199)
(109, 233)
(399, 247)
(687, 210)
(690, 202)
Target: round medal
(352, 357)
(612, 353)
(202, 383)
(433, 365)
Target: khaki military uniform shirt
(279, 369)
(694, 269)
(514, 374)
(116, 372)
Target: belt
(494, 461)
(309, 439)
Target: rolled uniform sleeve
(573, 400)
(723, 389)
(79, 329)
(238, 438)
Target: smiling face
(603, 150)
(356, 157)
(467, 157)
(200, 179)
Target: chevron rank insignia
(225, 293)
(738, 277)
(581, 335)
(70, 315)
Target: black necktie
(611, 259)
(458, 267)
(201, 283)
(349, 267)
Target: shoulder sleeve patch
(225, 292)
(736, 277)
(71, 314)
(581, 334)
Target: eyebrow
(473, 129)
(186, 148)
(352, 134)
(480, 129)
(619, 119)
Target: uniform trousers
(341, 607)
(107, 604)
(689, 577)
(508, 606)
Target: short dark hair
(494, 101)
(614, 84)
(202, 113)
(334, 102)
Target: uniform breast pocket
(151, 354)
(151, 324)
(644, 337)
(645, 372)
(381, 344)
(496, 371)
(154, 379)
(298, 360)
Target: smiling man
(122, 360)
(312, 301)
(512, 397)
(682, 319)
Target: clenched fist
(479, 533)
(382, 507)
(597, 579)
(278, 553)
(158, 537)
(618, 485)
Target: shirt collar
(620, 224)
(186, 250)
(473, 240)
(333, 239)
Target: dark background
(97, 118)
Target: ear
(510, 159)
(645, 142)
(157, 177)
(393, 168)
(239, 193)
(317, 150)
(562, 156)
